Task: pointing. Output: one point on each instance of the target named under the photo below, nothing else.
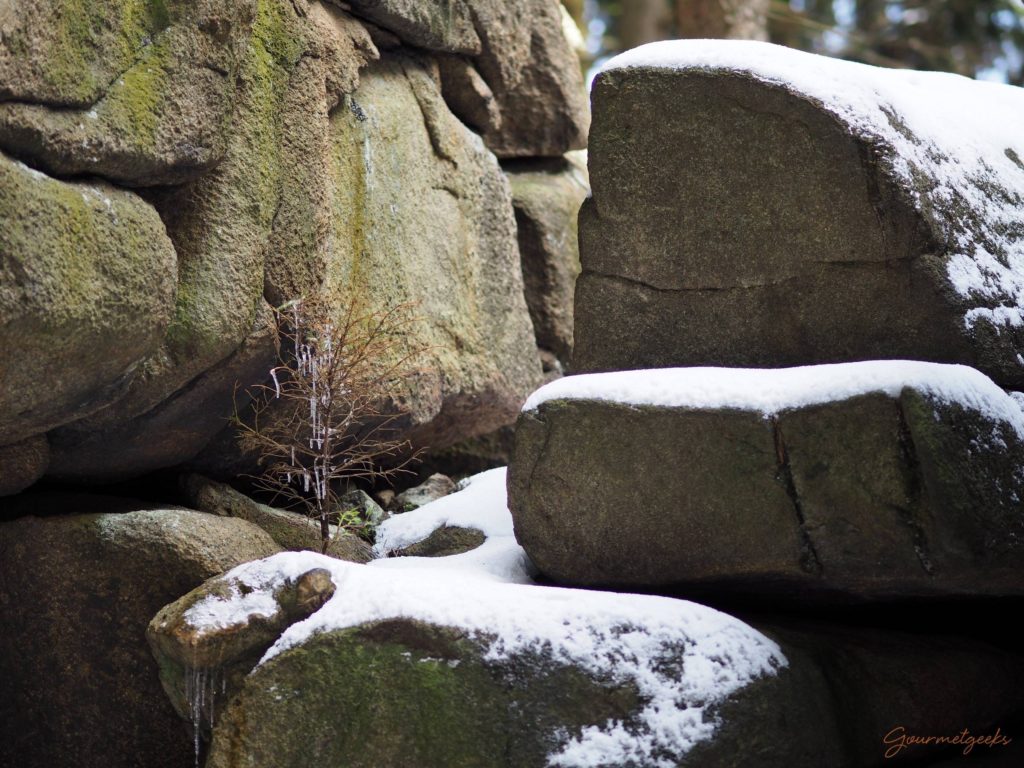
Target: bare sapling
(328, 415)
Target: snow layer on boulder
(962, 135)
(636, 639)
(479, 503)
(773, 390)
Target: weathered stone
(220, 225)
(431, 489)
(408, 178)
(216, 660)
(407, 692)
(162, 118)
(860, 684)
(792, 224)
(441, 25)
(443, 542)
(21, 464)
(401, 691)
(547, 196)
(468, 95)
(866, 497)
(86, 292)
(77, 592)
(534, 76)
(518, 82)
(882, 680)
(176, 429)
(67, 54)
(291, 530)
(404, 176)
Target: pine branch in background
(329, 415)
(969, 37)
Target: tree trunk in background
(731, 19)
(643, 21)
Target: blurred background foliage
(977, 38)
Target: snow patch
(962, 135)
(232, 611)
(480, 503)
(770, 391)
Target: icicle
(277, 385)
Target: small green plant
(328, 416)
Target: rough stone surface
(161, 118)
(220, 332)
(409, 692)
(292, 531)
(534, 76)
(275, 174)
(431, 489)
(865, 498)
(443, 542)
(21, 464)
(86, 291)
(402, 692)
(772, 234)
(218, 660)
(221, 223)
(845, 688)
(77, 592)
(442, 25)
(880, 680)
(173, 431)
(67, 54)
(408, 178)
(468, 95)
(507, 68)
(547, 196)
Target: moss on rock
(86, 289)
(399, 693)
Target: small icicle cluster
(312, 357)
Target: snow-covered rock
(885, 479)
(758, 206)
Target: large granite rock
(438, 668)
(87, 289)
(410, 179)
(275, 174)
(508, 69)
(175, 429)
(66, 55)
(528, 675)
(546, 196)
(534, 76)
(162, 117)
(401, 175)
(77, 589)
(810, 211)
(849, 482)
(221, 223)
